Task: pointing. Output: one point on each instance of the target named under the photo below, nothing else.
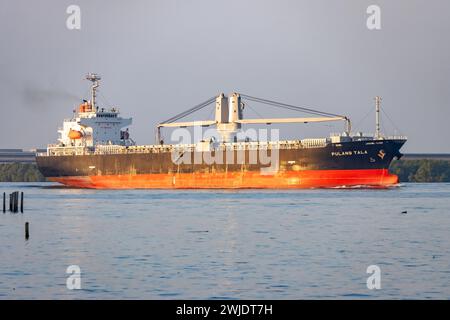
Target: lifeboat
(75, 135)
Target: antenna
(94, 78)
(377, 117)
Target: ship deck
(55, 150)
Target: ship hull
(357, 163)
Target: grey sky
(158, 58)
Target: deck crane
(229, 116)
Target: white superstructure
(91, 125)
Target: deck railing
(54, 150)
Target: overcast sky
(158, 58)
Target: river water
(244, 244)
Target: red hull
(235, 180)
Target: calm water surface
(247, 244)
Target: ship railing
(368, 136)
(261, 145)
(160, 148)
(396, 137)
(67, 151)
(56, 150)
(373, 138)
(109, 149)
(41, 154)
(251, 145)
(314, 143)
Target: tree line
(421, 170)
(20, 172)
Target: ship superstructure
(92, 126)
(94, 152)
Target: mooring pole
(15, 201)
(21, 202)
(4, 202)
(27, 230)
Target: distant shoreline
(423, 170)
(20, 172)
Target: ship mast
(94, 78)
(377, 117)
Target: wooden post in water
(21, 202)
(27, 230)
(15, 202)
(16, 208)
(4, 202)
(10, 202)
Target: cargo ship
(95, 150)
